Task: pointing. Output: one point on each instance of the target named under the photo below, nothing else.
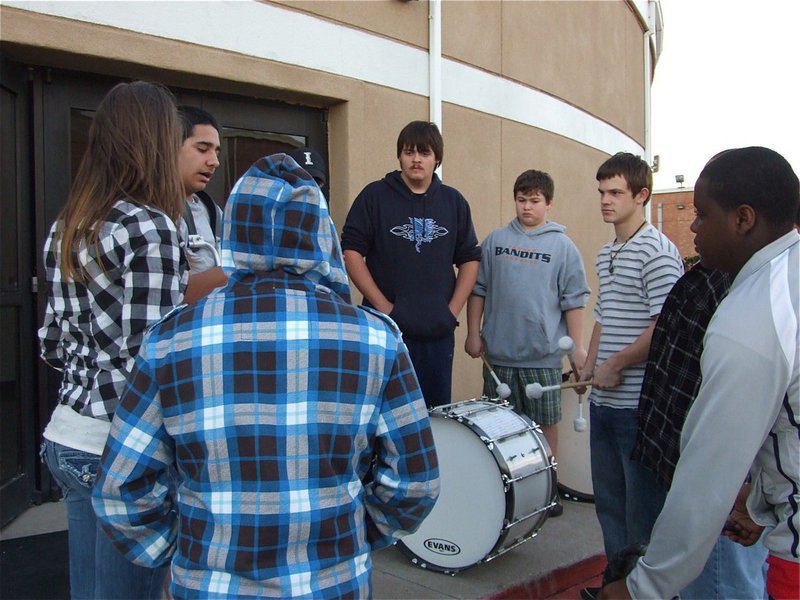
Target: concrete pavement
(561, 542)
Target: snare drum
(497, 485)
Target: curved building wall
(556, 86)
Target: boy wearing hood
(531, 291)
(295, 423)
(401, 238)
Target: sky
(728, 76)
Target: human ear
(745, 218)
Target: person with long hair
(114, 266)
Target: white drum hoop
(497, 486)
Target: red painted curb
(554, 583)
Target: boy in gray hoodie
(531, 291)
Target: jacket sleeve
(467, 248)
(406, 482)
(358, 230)
(573, 288)
(483, 282)
(721, 437)
(153, 278)
(131, 495)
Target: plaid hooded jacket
(271, 397)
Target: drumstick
(534, 391)
(503, 391)
(567, 347)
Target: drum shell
(496, 486)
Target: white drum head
(467, 520)
(574, 458)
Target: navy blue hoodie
(411, 242)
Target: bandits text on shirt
(522, 253)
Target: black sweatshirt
(411, 242)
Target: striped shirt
(294, 419)
(645, 269)
(92, 331)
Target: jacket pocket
(423, 317)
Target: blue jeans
(96, 567)
(732, 571)
(627, 497)
(433, 363)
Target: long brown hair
(132, 154)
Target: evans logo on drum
(442, 547)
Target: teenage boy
(271, 398)
(401, 238)
(531, 291)
(671, 381)
(636, 272)
(202, 219)
(312, 163)
(745, 418)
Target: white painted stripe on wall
(495, 95)
(274, 33)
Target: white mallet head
(579, 424)
(534, 391)
(566, 345)
(503, 391)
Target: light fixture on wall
(679, 180)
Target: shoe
(556, 510)
(590, 593)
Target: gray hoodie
(528, 278)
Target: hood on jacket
(276, 218)
(395, 181)
(547, 227)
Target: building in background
(557, 86)
(672, 212)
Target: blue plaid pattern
(294, 420)
(92, 331)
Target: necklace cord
(613, 254)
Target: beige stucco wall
(588, 54)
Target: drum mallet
(567, 346)
(535, 391)
(503, 391)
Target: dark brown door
(17, 315)
(46, 114)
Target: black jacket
(411, 242)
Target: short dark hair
(193, 115)
(634, 169)
(535, 181)
(758, 177)
(421, 135)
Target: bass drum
(574, 458)
(497, 485)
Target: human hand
(473, 345)
(606, 376)
(585, 374)
(740, 527)
(579, 357)
(616, 590)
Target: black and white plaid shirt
(672, 377)
(92, 331)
